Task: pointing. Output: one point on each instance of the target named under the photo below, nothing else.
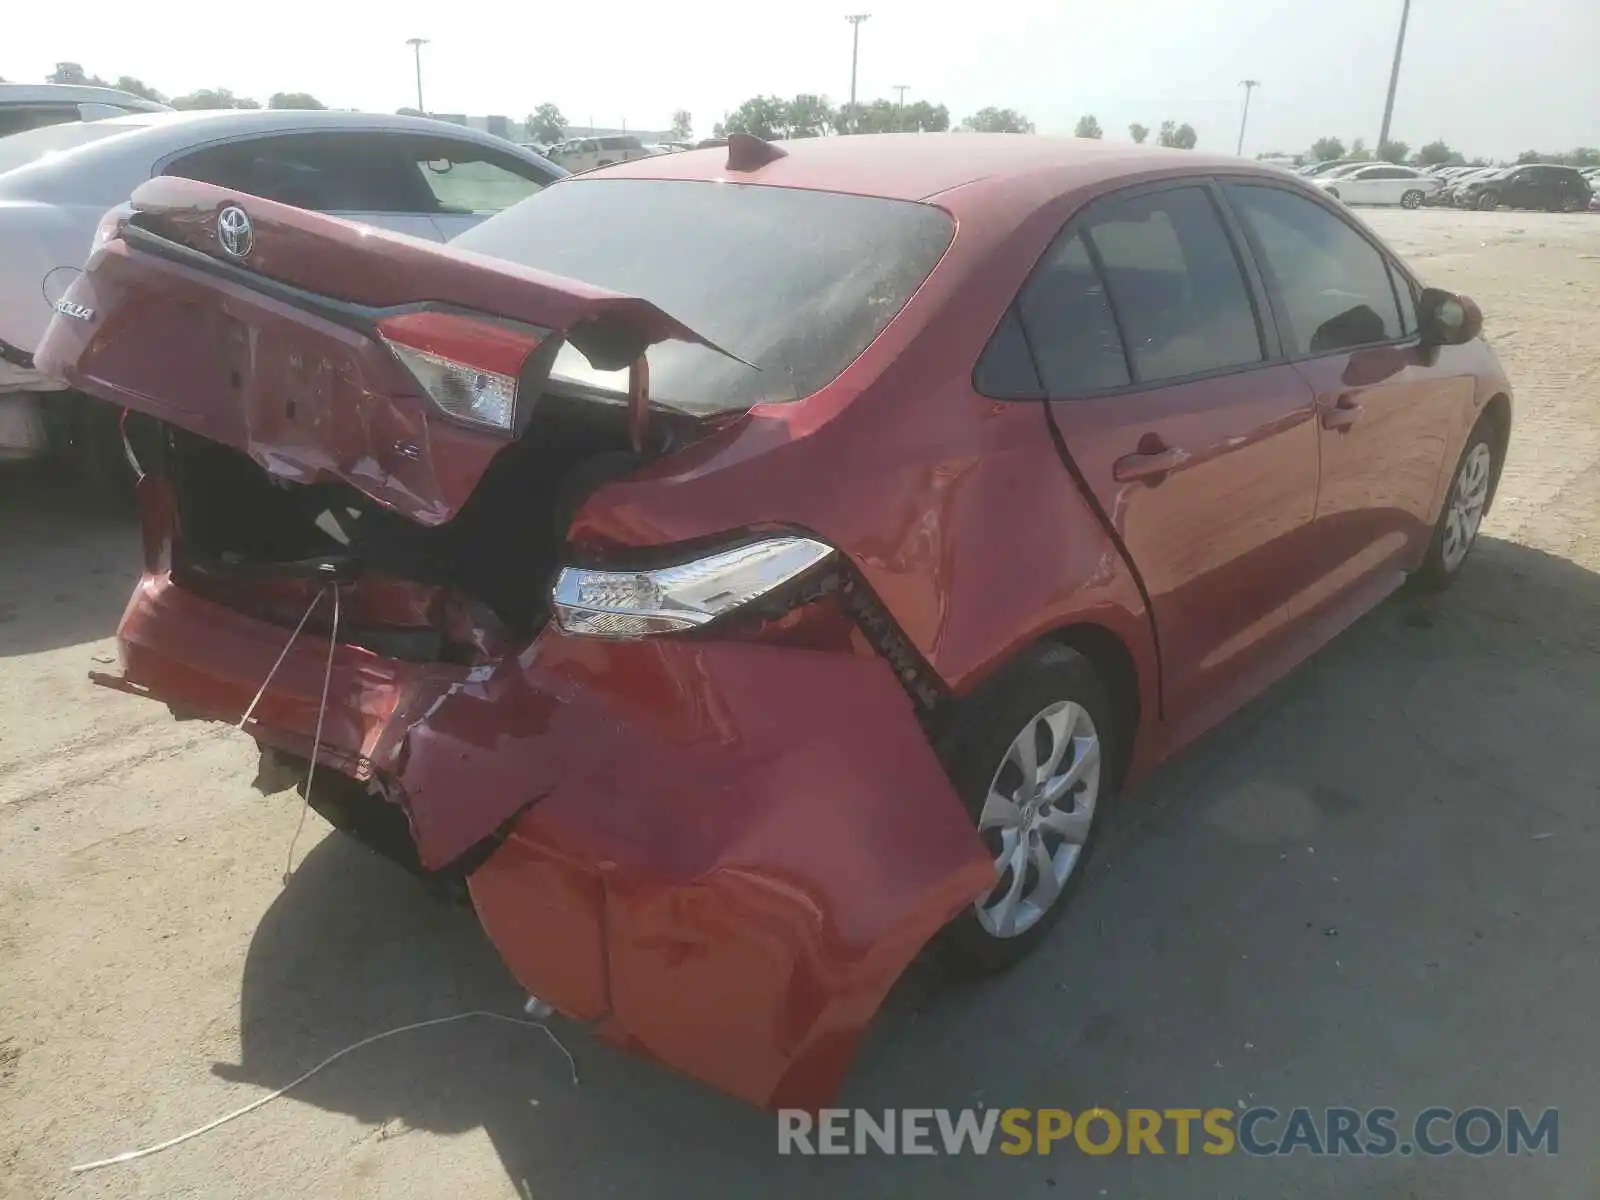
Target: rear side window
(1176, 285)
(466, 178)
(1333, 284)
(324, 172)
(17, 118)
(1067, 317)
(796, 282)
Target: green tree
(213, 98)
(1394, 152)
(73, 73)
(997, 120)
(764, 117)
(1437, 154)
(1178, 137)
(546, 125)
(294, 100)
(807, 116)
(923, 117)
(1358, 149)
(409, 112)
(682, 125)
(1088, 127)
(1326, 149)
(1138, 132)
(137, 87)
(1532, 156)
(1583, 156)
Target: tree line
(1437, 153)
(71, 72)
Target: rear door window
(463, 177)
(1176, 285)
(325, 172)
(1334, 286)
(1067, 318)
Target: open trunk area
(463, 591)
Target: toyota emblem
(234, 231)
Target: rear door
(1361, 186)
(360, 175)
(1198, 448)
(1387, 409)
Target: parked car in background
(25, 106)
(1546, 186)
(1313, 170)
(666, 611)
(585, 154)
(424, 178)
(1381, 183)
(1452, 186)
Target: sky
(1492, 77)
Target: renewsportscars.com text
(1259, 1132)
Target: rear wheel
(1571, 204)
(1464, 509)
(1031, 757)
(1411, 199)
(1489, 201)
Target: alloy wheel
(1411, 200)
(1037, 815)
(1468, 498)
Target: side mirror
(1446, 319)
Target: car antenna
(746, 152)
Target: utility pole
(416, 45)
(855, 20)
(1249, 85)
(1394, 77)
(900, 90)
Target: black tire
(974, 749)
(1570, 204)
(1488, 201)
(98, 448)
(1411, 199)
(1334, 192)
(1438, 570)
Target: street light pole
(1249, 85)
(416, 45)
(900, 90)
(1394, 76)
(855, 20)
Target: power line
(416, 45)
(1249, 85)
(1394, 75)
(855, 20)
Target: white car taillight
(467, 365)
(632, 604)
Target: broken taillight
(469, 366)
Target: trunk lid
(256, 325)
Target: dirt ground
(1376, 885)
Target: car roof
(75, 93)
(921, 166)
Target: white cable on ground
(283, 654)
(131, 1155)
(316, 737)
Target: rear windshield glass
(20, 149)
(796, 282)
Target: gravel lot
(1376, 885)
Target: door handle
(1152, 465)
(1345, 413)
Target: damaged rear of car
(675, 777)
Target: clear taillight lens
(468, 365)
(631, 604)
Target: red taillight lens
(467, 365)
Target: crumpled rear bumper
(724, 853)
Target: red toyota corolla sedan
(746, 568)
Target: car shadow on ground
(1339, 898)
(68, 559)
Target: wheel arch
(1497, 416)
